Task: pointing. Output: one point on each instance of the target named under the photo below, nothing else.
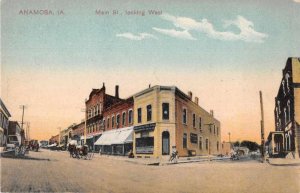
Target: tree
(236, 144)
(252, 146)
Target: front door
(165, 143)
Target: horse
(72, 149)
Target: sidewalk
(283, 162)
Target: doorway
(165, 143)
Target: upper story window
(288, 110)
(139, 114)
(217, 130)
(123, 118)
(214, 129)
(112, 122)
(184, 116)
(210, 129)
(130, 117)
(100, 108)
(108, 122)
(285, 116)
(165, 111)
(95, 111)
(103, 123)
(200, 143)
(278, 103)
(149, 112)
(200, 123)
(283, 87)
(118, 121)
(194, 120)
(287, 76)
(217, 146)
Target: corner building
(165, 117)
(286, 137)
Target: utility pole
(262, 127)
(22, 107)
(85, 118)
(229, 137)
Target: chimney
(117, 91)
(149, 85)
(212, 113)
(190, 94)
(197, 100)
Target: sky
(222, 51)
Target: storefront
(144, 139)
(116, 142)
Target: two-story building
(118, 128)
(286, 137)
(4, 122)
(165, 117)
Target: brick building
(96, 104)
(4, 118)
(286, 137)
(54, 139)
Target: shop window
(184, 140)
(130, 116)
(149, 112)
(139, 115)
(144, 145)
(165, 111)
(194, 120)
(123, 118)
(184, 116)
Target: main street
(52, 171)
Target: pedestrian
(174, 155)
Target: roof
(4, 108)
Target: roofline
(4, 108)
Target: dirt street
(49, 171)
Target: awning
(116, 136)
(87, 137)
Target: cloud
(246, 28)
(139, 37)
(175, 33)
(297, 1)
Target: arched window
(283, 87)
(287, 77)
(278, 103)
(288, 111)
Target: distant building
(78, 132)
(286, 137)
(165, 117)
(227, 148)
(15, 129)
(4, 122)
(54, 139)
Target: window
(149, 112)
(288, 111)
(283, 88)
(184, 141)
(287, 76)
(108, 123)
(184, 116)
(217, 130)
(285, 117)
(139, 115)
(217, 146)
(130, 116)
(100, 108)
(95, 111)
(200, 143)
(278, 102)
(118, 121)
(200, 123)
(194, 120)
(123, 118)
(214, 129)
(112, 122)
(104, 124)
(210, 128)
(165, 111)
(206, 144)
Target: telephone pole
(23, 108)
(262, 128)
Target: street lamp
(59, 128)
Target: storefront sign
(194, 138)
(146, 127)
